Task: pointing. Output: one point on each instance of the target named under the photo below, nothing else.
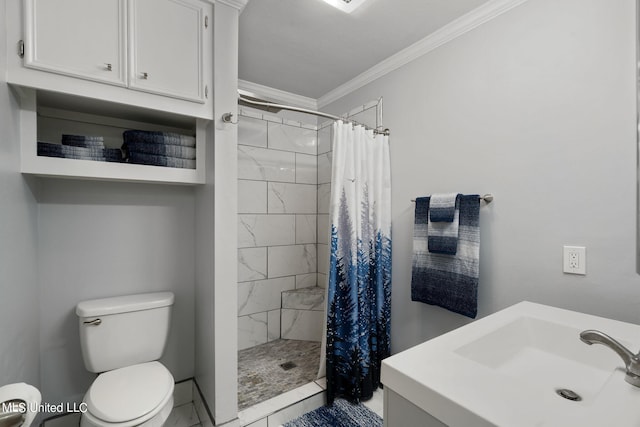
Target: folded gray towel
(448, 281)
(443, 230)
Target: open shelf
(45, 117)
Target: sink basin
(508, 369)
(544, 354)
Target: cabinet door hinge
(206, 92)
(206, 21)
(21, 48)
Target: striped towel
(83, 141)
(448, 281)
(155, 160)
(442, 207)
(158, 138)
(80, 153)
(169, 150)
(443, 223)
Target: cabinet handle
(145, 76)
(109, 67)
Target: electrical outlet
(575, 260)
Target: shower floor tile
(261, 376)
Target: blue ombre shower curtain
(359, 289)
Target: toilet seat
(130, 395)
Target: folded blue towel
(448, 281)
(113, 154)
(80, 153)
(443, 230)
(67, 149)
(83, 137)
(75, 157)
(442, 207)
(443, 236)
(90, 144)
(83, 141)
(158, 138)
(168, 150)
(154, 160)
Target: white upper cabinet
(154, 54)
(166, 47)
(78, 38)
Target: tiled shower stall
(278, 209)
(284, 186)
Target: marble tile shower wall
(324, 196)
(277, 219)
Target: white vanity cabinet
(77, 38)
(166, 42)
(148, 53)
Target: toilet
(122, 339)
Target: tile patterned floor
(183, 416)
(260, 376)
(376, 403)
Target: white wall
(537, 107)
(18, 242)
(101, 239)
(216, 325)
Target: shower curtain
(359, 288)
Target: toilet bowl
(138, 395)
(122, 339)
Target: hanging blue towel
(448, 281)
(443, 223)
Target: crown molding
(277, 95)
(237, 4)
(449, 32)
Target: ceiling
(308, 47)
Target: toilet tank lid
(124, 304)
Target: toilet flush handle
(94, 322)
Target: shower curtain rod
(303, 110)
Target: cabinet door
(166, 45)
(79, 38)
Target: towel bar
(488, 198)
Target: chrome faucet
(631, 361)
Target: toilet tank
(122, 331)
